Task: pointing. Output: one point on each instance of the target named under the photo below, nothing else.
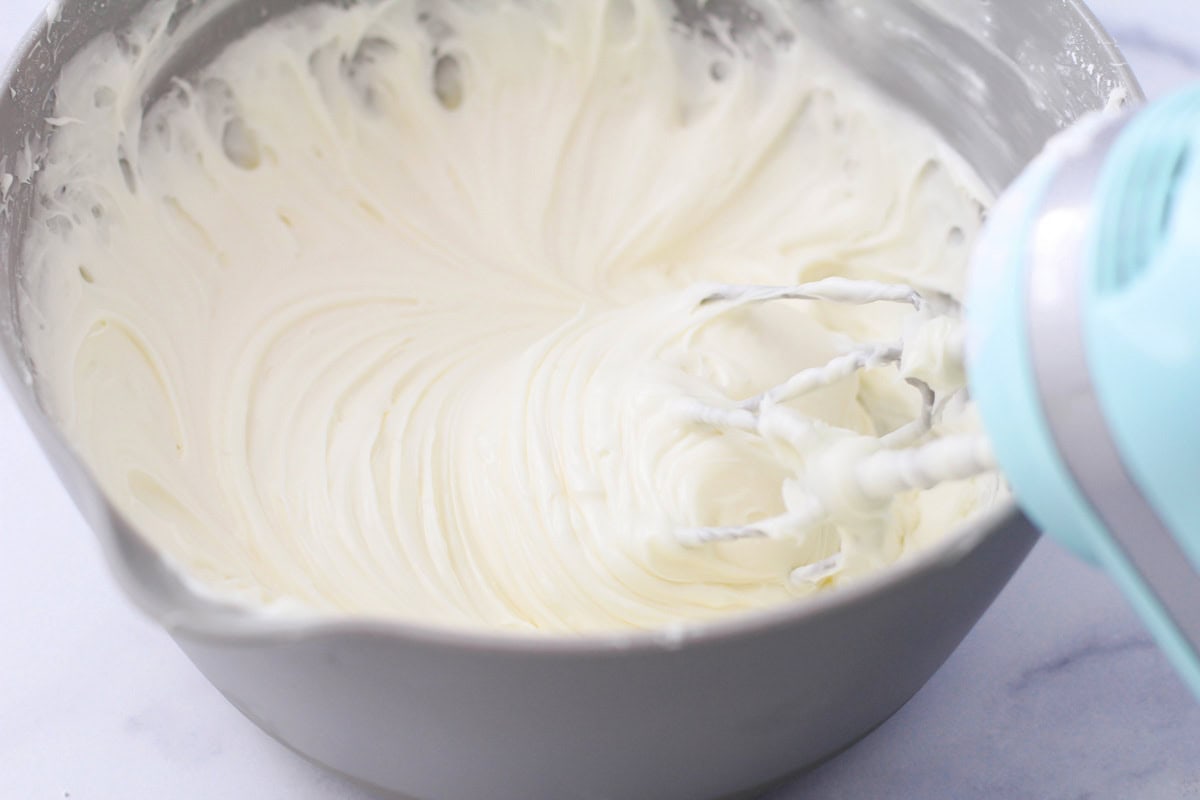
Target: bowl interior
(996, 80)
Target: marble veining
(1071, 663)
(1058, 694)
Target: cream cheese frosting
(393, 310)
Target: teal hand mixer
(1082, 351)
(1084, 354)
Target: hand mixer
(1083, 357)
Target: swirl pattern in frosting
(389, 310)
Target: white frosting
(393, 310)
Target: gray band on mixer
(1069, 403)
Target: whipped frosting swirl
(390, 310)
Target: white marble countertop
(1057, 694)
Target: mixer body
(1084, 353)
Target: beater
(1082, 354)
(867, 470)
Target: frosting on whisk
(847, 476)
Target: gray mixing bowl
(720, 710)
